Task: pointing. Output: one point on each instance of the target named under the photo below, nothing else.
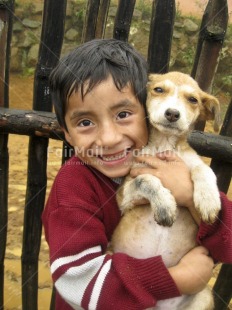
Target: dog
(174, 103)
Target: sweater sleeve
(84, 275)
(217, 238)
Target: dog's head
(175, 102)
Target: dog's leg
(162, 201)
(127, 196)
(206, 194)
(149, 187)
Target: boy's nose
(108, 135)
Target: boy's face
(106, 127)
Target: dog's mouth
(171, 126)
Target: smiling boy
(110, 123)
(99, 93)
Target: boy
(99, 93)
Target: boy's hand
(193, 271)
(172, 172)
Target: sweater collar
(117, 180)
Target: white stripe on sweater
(69, 259)
(73, 284)
(98, 285)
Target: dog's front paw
(206, 195)
(208, 205)
(164, 207)
(162, 202)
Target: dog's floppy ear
(153, 77)
(210, 109)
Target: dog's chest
(160, 143)
(140, 236)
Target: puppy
(174, 103)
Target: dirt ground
(21, 98)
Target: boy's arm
(217, 238)
(193, 271)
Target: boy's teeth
(115, 157)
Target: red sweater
(79, 219)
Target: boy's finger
(202, 249)
(149, 160)
(168, 155)
(138, 171)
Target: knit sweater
(79, 219)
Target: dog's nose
(172, 115)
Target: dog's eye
(158, 90)
(192, 100)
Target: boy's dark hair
(94, 61)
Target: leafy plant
(188, 55)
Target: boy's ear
(67, 136)
(210, 109)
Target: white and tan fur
(174, 103)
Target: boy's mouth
(114, 157)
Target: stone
(190, 26)
(112, 11)
(17, 27)
(137, 14)
(178, 25)
(71, 34)
(32, 56)
(38, 7)
(15, 60)
(31, 23)
(177, 34)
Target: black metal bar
(211, 145)
(123, 19)
(4, 168)
(53, 298)
(223, 170)
(49, 52)
(223, 288)
(226, 129)
(161, 31)
(31, 123)
(212, 31)
(6, 16)
(210, 42)
(102, 18)
(39, 123)
(223, 285)
(90, 20)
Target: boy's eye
(85, 123)
(123, 114)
